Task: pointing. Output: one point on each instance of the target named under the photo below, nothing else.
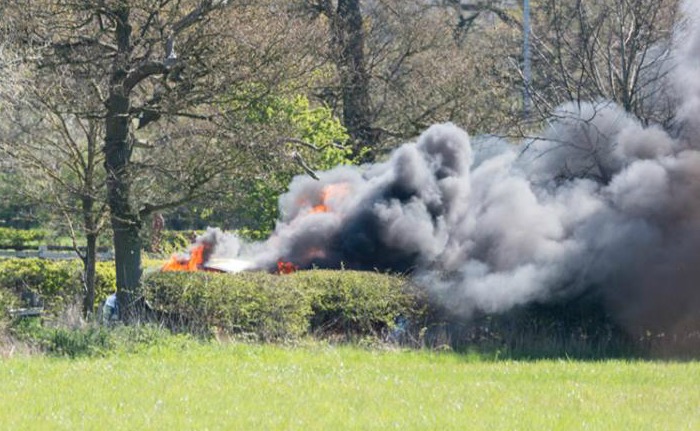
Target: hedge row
(19, 238)
(264, 306)
(53, 284)
(343, 304)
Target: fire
(286, 267)
(319, 209)
(330, 191)
(193, 263)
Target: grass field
(243, 387)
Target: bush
(274, 307)
(53, 284)
(8, 301)
(41, 282)
(105, 281)
(248, 303)
(20, 238)
(355, 303)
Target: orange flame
(286, 267)
(328, 192)
(193, 263)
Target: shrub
(7, 302)
(20, 238)
(53, 284)
(41, 282)
(274, 307)
(105, 281)
(356, 303)
(247, 303)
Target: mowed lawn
(243, 387)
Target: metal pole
(527, 71)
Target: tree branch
(144, 71)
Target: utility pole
(527, 71)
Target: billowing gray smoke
(600, 204)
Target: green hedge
(355, 302)
(264, 306)
(54, 283)
(273, 307)
(7, 302)
(19, 238)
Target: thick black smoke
(600, 202)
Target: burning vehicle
(198, 258)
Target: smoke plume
(599, 203)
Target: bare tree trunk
(89, 265)
(349, 41)
(125, 220)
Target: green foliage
(94, 340)
(258, 209)
(319, 127)
(285, 123)
(176, 239)
(8, 301)
(272, 307)
(19, 238)
(54, 283)
(294, 117)
(28, 329)
(251, 303)
(147, 337)
(289, 118)
(105, 281)
(354, 302)
(89, 341)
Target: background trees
(206, 107)
(164, 79)
(413, 66)
(616, 50)
(58, 153)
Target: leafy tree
(159, 73)
(306, 134)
